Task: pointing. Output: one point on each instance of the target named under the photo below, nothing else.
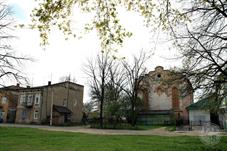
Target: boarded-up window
(175, 98)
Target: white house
(199, 112)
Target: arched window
(175, 98)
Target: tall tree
(202, 43)
(114, 94)
(134, 73)
(98, 73)
(9, 61)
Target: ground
(22, 138)
(150, 130)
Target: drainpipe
(51, 107)
(67, 95)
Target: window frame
(4, 100)
(22, 98)
(37, 96)
(30, 98)
(36, 115)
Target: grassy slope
(26, 139)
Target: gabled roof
(61, 109)
(203, 104)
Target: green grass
(27, 139)
(171, 128)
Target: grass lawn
(27, 139)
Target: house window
(4, 100)
(30, 98)
(175, 98)
(36, 115)
(22, 99)
(23, 114)
(37, 99)
(158, 78)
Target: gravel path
(82, 129)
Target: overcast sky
(62, 57)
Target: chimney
(18, 84)
(49, 83)
(28, 86)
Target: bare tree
(9, 62)
(201, 38)
(114, 96)
(98, 73)
(88, 107)
(133, 77)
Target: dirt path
(79, 129)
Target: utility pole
(51, 107)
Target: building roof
(11, 88)
(203, 104)
(61, 109)
(18, 88)
(50, 85)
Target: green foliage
(88, 107)
(52, 13)
(116, 106)
(171, 128)
(105, 20)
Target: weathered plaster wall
(158, 100)
(70, 96)
(26, 114)
(65, 94)
(166, 91)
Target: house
(8, 103)
(56, 104)
(223, 114)
(203, 111)
(165, 96)
(199, 112)
(223, 110)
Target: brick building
(165, 97)
(8, 103)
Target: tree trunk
(101, 114)
(102, 98)
(134, 101)
(133, 114)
